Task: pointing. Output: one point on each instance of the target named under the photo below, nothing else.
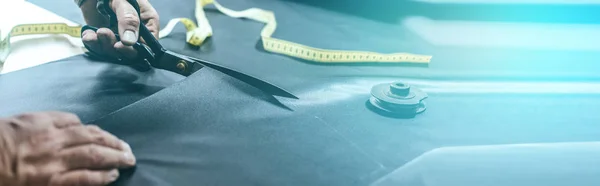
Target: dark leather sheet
(79, 85)
(210, 129)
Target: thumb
(128, 21)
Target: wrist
(7, 154)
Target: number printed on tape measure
(33, 29)
(49, 28)
(314, 54)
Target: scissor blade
(186, 65)
(261, 84)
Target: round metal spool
(397, 99)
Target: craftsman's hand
(54, 148)
(104, 41)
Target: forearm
(7, 154)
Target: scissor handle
(146, 53)
(140, 63)
(103, 7)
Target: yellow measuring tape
(197, 33)
(32, 29)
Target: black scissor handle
(140, 63)
(103, 7)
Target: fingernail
(86, 37)
(113, 175)
(129, 158)
(129, 36)
(125, 146)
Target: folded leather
(211, 129)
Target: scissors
(153, 54)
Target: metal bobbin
(397, 99)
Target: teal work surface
(506, 105)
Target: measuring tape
(33, 29)
(197, 33)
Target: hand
(54, 148)
(103, 41)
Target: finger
(128, 21)
(96, 157)
(90, 39)
(149, 17)
(127, 51)
(107, 39)
(90, 134)
(85, 178)
(35, 119)
(65, 119)
(56, 118)
(91, 15)
(153, 26)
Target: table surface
(511, 98)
